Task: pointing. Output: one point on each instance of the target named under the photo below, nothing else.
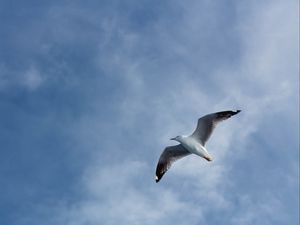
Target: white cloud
(115, 197)
(32, 78)
(259, 212)
(125, 192)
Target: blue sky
(92, 91)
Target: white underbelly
(195, 147)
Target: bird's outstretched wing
(207, 123)
(168, 156)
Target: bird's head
(177, 138)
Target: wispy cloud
(256, 85)
(32, 78)
(162, 77)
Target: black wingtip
(157, 179)
(237, 111)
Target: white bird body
(193, 144)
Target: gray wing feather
(206, 124)
(168, 156)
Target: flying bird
(193, 144)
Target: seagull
(193, 144)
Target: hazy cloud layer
(93, 92)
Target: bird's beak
(173, 139)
